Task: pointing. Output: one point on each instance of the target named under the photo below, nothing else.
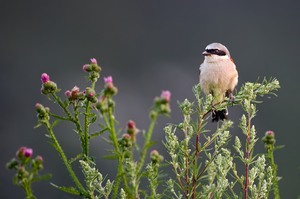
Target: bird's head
(215, 52)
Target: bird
(218, 77)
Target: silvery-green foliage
(202, 162)
(260, 179)
(94, 180)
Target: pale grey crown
(217, 49)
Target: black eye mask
(216, 52)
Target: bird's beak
(205, 53)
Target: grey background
(147, 46)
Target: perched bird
(218, 76)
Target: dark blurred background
(147, 46)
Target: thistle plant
(27, 170)
(83, 108)
(203, 162)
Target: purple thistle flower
(75, 89)
(45, 78)
(28, 152)
(108, 79)
(166, 95)
(85, 66)
(93, 60)
(39, 158)
(68, 93)
(131, 124)
(38, 106)
(270, 133)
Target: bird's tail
(217, 115)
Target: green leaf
(37, 126)
(151, 144)
(55, 123)
(75, 158)
(93, 117)
(96, 134)
(279, 147)
(111, 157)
(42, 177)
(59, 117)
(71, 190)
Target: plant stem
(74, 119)
(62, 105)
(113, 137)
(86, 126)
(274, 168)
(86, 130)
(147, 142)
(197, 155)
(27, 188)
(247, 157)
(65, 160)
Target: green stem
(113, 137)
(78, 126)
(62, 105)
(86, 126)
(113, 133)
(247, 158)
(65, 160)
(274, 168)
(86, 130)
(74, 119)
(147, 142)
(27, 188)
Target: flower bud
(101, 105)
(49, 87)
(90, 95)
(125, 141)
(269, 138)
(20, 152)
(131, 129)
(38, 162)
(156, 157)
(39, 108)
(110, 89)
(22, 173)
(12, 164)
(94, 75)
(162, 103)
(73, 94)
(39, 159)
(87, 67)
(68, 93)
(131, 124)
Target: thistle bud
(156, 157)
(125, 141)
(90, 95)
(12, 164)
(269, 138)
(110, 89)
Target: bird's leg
(214, 115)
